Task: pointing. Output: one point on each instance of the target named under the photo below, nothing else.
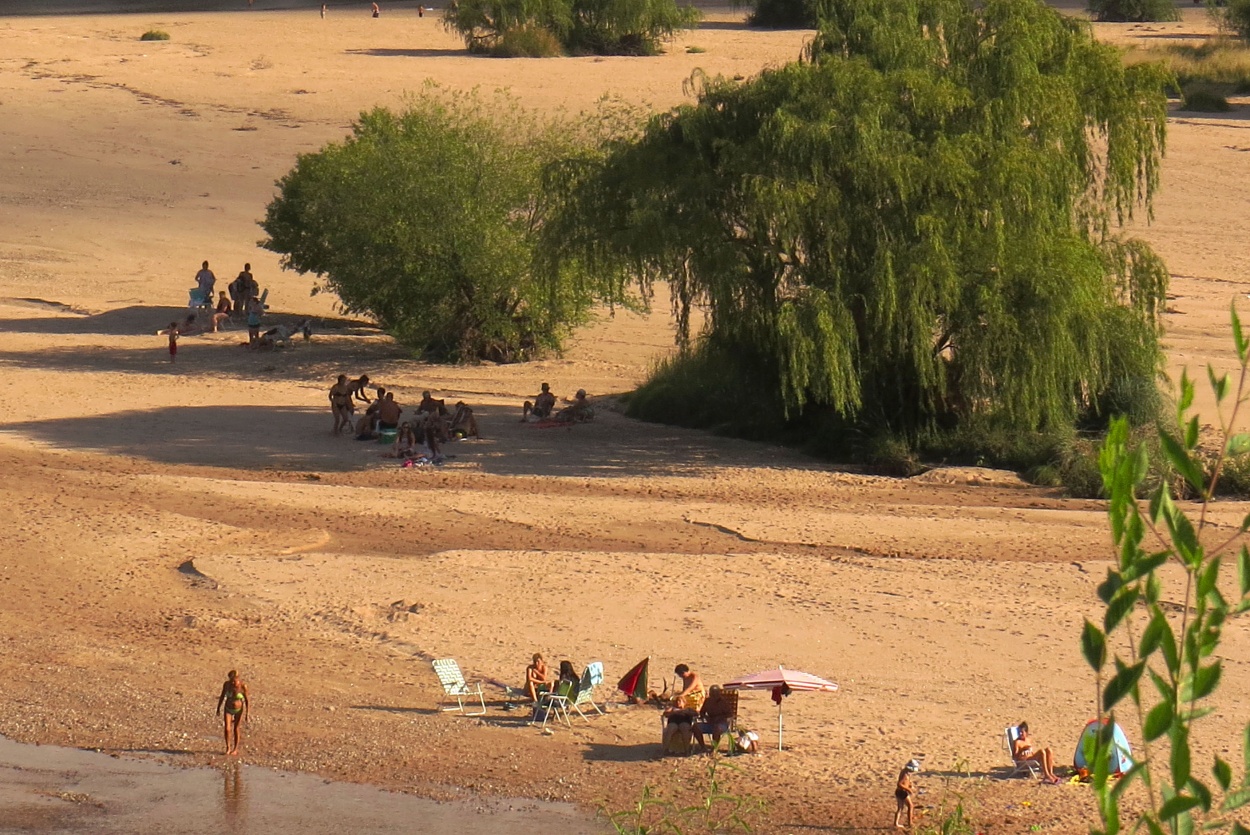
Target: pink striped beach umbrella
(782, 682)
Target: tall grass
(1216, 63)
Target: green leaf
(1158, 721)
(1201, 792)
(1219, 385)
(1121, 684)
(1180, 761)
(1239, 338)
(1235, 800)
(1238, 829)
(1177, 806)
(1238, 444)
(1243, 568)
(1180, 459)
(1191, 433)
(1206, 680)
(1093, 646)
(1223, 773)
(1186, 398)
(1119, 607)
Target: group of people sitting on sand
(421, 435)
(543, 408)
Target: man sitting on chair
(715, 717)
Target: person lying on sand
(1024, 750)
(541, 407)
(537, 678)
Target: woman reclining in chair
(1023, 750)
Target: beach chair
(592, 677)
(556, 703)
(454, 685)
(1019, 767)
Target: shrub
(1133, 11)
(600, 27)
(1232, 16)
(1203, 100)
(1217, 62)
(154, 35)
(527, 42)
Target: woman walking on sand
(234, 698)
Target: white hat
(913, 765)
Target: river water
(46, 789)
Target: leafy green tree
(1178, 657)
(602, 27)
(1133, 11)
(426, 221)
(913, 225)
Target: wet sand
(55, 790)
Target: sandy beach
(168, 522)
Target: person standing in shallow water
(237, 708)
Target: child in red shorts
(173, 340)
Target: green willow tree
(427, 219)
(510, 28)
(915, 224)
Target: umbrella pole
(778, 726)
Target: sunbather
(537, 678)
(692, 693)
(463, 423)
(578, 410)
(1023, 749)
(541, 408)
(715, 717)
(405, 441)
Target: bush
(426, 220)
(1215, 63)
(783, 14)
(154, 35)
(527, 42)
(1133, 11)
(1232, 16)
(599, 27)
(1202, 100)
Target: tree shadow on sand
(140, 320)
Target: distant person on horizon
(323, 11)
(234, 698)
(420, 11)
(205, 280)
(376, 11)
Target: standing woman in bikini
(234, 698)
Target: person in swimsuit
(903, 792)
(236, 703)
(692, 692)
(1023, 750)
(537, 680)
(341, 403)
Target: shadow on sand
(409, 53)
(605, 752)
(294, 438)
(140, 320)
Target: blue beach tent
(1121, 754)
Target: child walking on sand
(173, 340)
(903, 793)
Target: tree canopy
(916, 223)
(426, 220)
